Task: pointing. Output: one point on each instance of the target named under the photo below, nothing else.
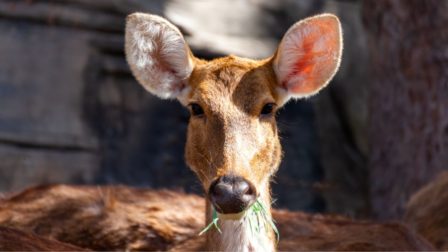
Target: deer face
(232, 141)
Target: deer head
(232, 140)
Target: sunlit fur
(232, 137)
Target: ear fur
(308, 56)
(158, 55)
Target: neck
(238, 235)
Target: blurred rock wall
(71, 112)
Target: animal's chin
(232, 216)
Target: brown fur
(123, 218)
(105, 218)
(16, 240)
(300, 231)
(427, 212)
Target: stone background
(71, 112)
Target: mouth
(256, 216)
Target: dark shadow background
(71, 112)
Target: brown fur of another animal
(16, 240)
(315, 232)
(427, 212)
(124, 218)
(105, 218)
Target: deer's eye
(267, 109)
(196, 109)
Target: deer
(232, 139)
(232, 146)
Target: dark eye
(267, 109)
(196, 109)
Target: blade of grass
(214, 223)
(269, 220)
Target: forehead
(241, 81)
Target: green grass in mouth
(255, 216)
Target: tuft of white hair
(157, 54)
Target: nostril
(220, 189)
(241, 187)
(250, 191)
(245, 188)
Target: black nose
(231, 194)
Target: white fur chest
(237, 235)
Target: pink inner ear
(315, 53)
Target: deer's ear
(308, 56)
(158, 55)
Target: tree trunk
(408, 130)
